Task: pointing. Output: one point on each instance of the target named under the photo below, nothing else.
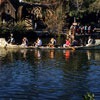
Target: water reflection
(48, 74)
(67, 54)
(93, 55)
(24, 52)
(97, 56)
(52, 54)
(3, 53)
(89, 54)
(38, 54)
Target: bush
(89, 96)
(19, 27)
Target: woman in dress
(24, 41)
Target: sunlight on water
(48, 74)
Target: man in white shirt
(90, 41)
(38, 42)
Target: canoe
(92, 47)
(4, 44)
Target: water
(48, 74)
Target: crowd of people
(81, 29)
(52, 42)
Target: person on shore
(24, 41)
(11, 39)
(89, 29)
(67, 44)
(52, 42)
(38, 42)
(86, 29)
(90, 41)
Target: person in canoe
(74, 43)
(11, 39)
(90, 41)
(52, 42)
(38, 42)
(67, 43)
(24, 41)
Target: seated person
(67, 43)
(11, 39)
(38, 42)
(74, 43)
(90, 42)
(24, 41)
(52, 42)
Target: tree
(95, 6)
(54, 16)
(34, 1)
(77, 8)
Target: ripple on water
(52, 76)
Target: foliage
(79, 7)
(54, 19)
(58, 11)
(32, 1)
(89, 96)
(18, 27)
(3, 30)
(73, 8)
(95, 6)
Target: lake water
(49, 74)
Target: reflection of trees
(7, 55)
(75, 74)
(78, 72)
(97, 56)
(10, 55)
(75, 59)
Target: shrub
(19, 27)
(89, 96)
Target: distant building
(12, 11)
(8, 10)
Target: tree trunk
(74, 19)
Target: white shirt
(90, 41)
(39, 43)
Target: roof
(2, 1)
(15, 3)
(33, 5)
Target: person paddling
(38, 42)
(74, 43)
(52, 42)
(11, 39)
(67, 43)
(90, 41)
(24, 41)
